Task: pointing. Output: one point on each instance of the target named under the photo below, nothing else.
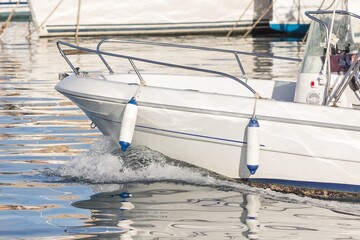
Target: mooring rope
(259, 19)
(257, 97)
(236, 23)
(51, 13)
(78, 20)
(3, 27)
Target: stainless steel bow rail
(352, 74)
(74, 49)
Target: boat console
(330, 69)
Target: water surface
(60, 179)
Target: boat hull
(20, 8)
(302, 144)
(290, 28)
(146, 17)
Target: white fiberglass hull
(20, 8)
(309, 145)
(112, 17)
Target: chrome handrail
(101, 54)
(351, 72)
(191, 47)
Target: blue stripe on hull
(12, 4)
(290, 28)
(196, 135)
(311, 185)
(192, 135)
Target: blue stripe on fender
(252, 168)
(253, 122)
(132, 101)
(124, 145)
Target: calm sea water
(57, 177)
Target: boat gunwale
(101, 54)
(217, 112)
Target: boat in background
(91, 17)
(304, 132)
(288, 16)
(20, 7)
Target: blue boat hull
(290, 28)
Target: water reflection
(25, 207)
(162, 211)
(40, 129)
(250, 215)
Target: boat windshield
(344, 37)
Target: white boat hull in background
(20, 8)
(144, 17)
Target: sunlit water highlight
(60, 179)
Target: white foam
(95, 165)
(100, 165)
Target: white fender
(253, 145)
(128, 124)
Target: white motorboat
(91, 17)
(304, 133)
(19, 7)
